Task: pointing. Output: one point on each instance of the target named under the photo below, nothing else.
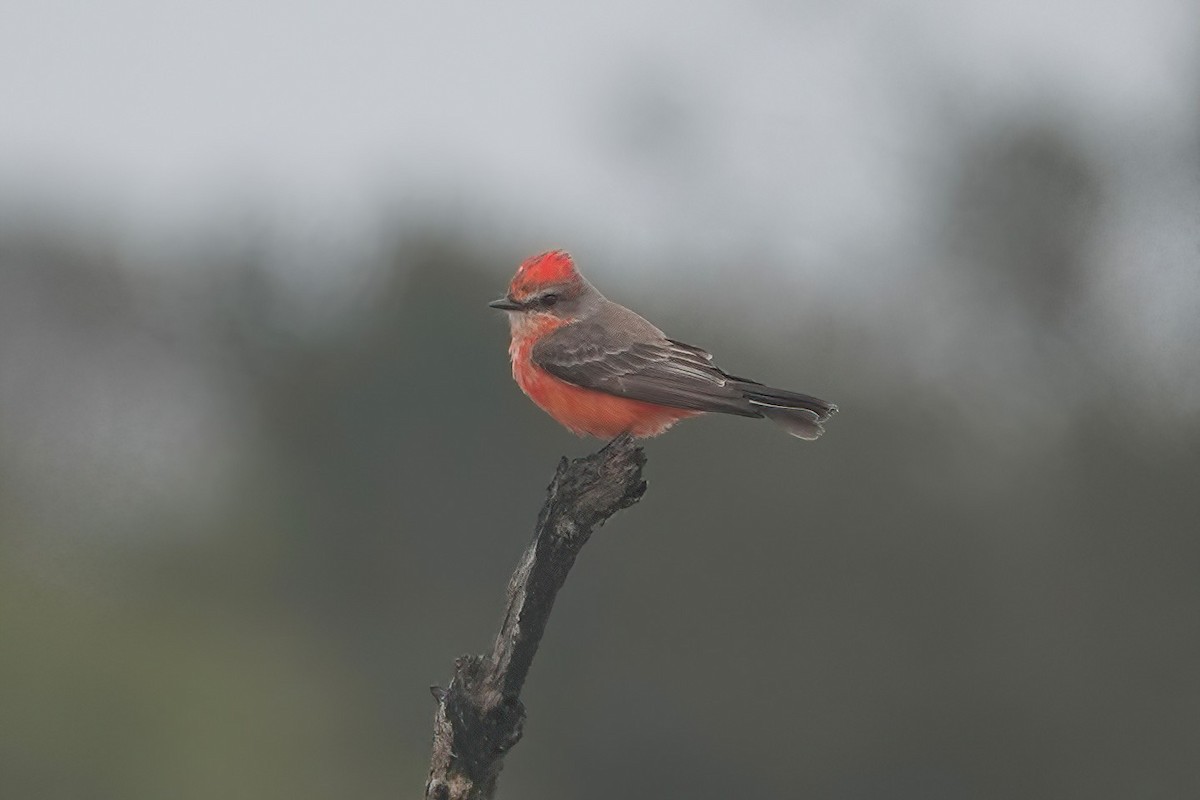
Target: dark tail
(800, 415)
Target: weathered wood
(479, 715)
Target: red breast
(584, 411)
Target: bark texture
(479, 715)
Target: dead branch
(479, 715)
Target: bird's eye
(549, 299)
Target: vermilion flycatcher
(601, 370)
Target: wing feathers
(631, 358)
(655, 371)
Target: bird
(601, 370)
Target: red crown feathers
(554, 266)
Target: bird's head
(548, 285)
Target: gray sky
(621, 122)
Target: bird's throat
(528, 328)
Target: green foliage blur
(242, 533)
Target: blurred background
(264, 474)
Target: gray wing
(640, 365)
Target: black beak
(505, 304)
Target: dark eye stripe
(549, 299)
